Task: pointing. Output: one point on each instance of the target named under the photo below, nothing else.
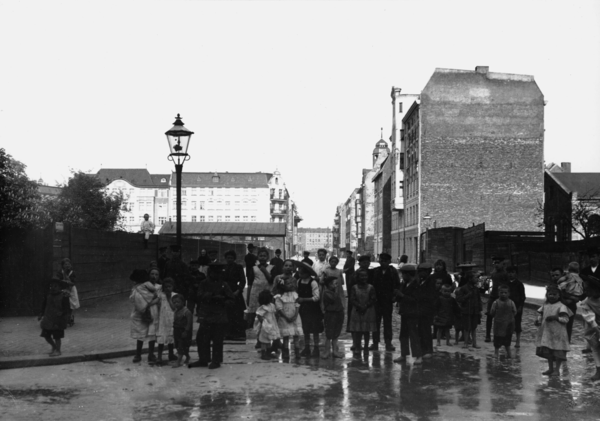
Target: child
(516, 292)
(363, 319)
(164, 334)
(334, 315)
(265, 323)
(469, 301)
(279, 282)
(571, 289)
(54, 315)
(149, 291)
(332, 270)
(310, 310)
(552, 340)
(504, 311)
(67, 275)
(182, 330)
(262, 281)
(288, 317)
(590, 311)
(445, 312)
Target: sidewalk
(101, 331)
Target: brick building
(473, 153)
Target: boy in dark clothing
(54, 315)
(516, 292)
(214, 297)
(386, 281)
(277, 264)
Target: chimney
(566, 166)
(482, 69)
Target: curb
(40, 362)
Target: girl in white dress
(164, 334)
(288, 317)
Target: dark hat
(592, 281)
(497, 258)
(138, 276)
(364, 257)
(349, 251)
(162, 248)
(408, 267)
(385, 256)
(175, 248)
(277, 251)
(306, 253)
(250, 245)
(425, 266)
(592, 250)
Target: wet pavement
(456, 384)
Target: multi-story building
(312, 239)
(205, 197)
(351, 240)
(335, 232)
(400, 105)
(473, 153)
(380, 181)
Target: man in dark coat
(277, 264)
(349, 266)
(307, 259)
(196, 277)
(214, 296)
(179, 272)
(250, 260)
(386, 281)
(364, 262)
(593, 269)
(163, 259)
(233, 275)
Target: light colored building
(312, 239)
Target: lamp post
(427, 221)
(179, 139)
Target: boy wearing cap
(147, 228)
(386, 282)
(593, 269)
(499, 277)
(277, 264)
(408, 297)
(364, 262)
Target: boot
(325, 354)
(374, 346)
(285, 353)
(297, 353)
(315, 352)
(265, 355)
(389, 347)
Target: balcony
(278, 210)
(283, 197)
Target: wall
(446, 244)
(482, 145)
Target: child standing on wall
(54, 315)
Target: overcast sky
(299, 86)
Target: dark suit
(386, 284)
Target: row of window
(201, 218)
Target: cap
(250, 246)
(385, 256)
(408, 267)
(364, 257)
(277, 251)
(425, 266)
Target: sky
(302, 87)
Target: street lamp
(179, 140)
(427, 221)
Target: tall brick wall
(482, 151)
(444, 244)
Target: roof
(314, 230)
(156, 178)
(583, 183)
(139, 177)
(254, 229)
(49, 190)
(227, 179)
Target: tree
(20, 200)
(84, 203)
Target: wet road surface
(456, 384)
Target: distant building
(473, 153)
(49, 191)
(562, 191)
(312, 239)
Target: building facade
(473, 153)
(313, 239)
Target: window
(193, 218)
(227, 203)
(253, 218)
(162, 220)
(184, 205)
(245, 218)
(194, 191)
(183, 192)
(202, 218)
(131, 219)
(193, 205)
(201, 205)
(219, 218)
(237, 218)
(210, 218)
